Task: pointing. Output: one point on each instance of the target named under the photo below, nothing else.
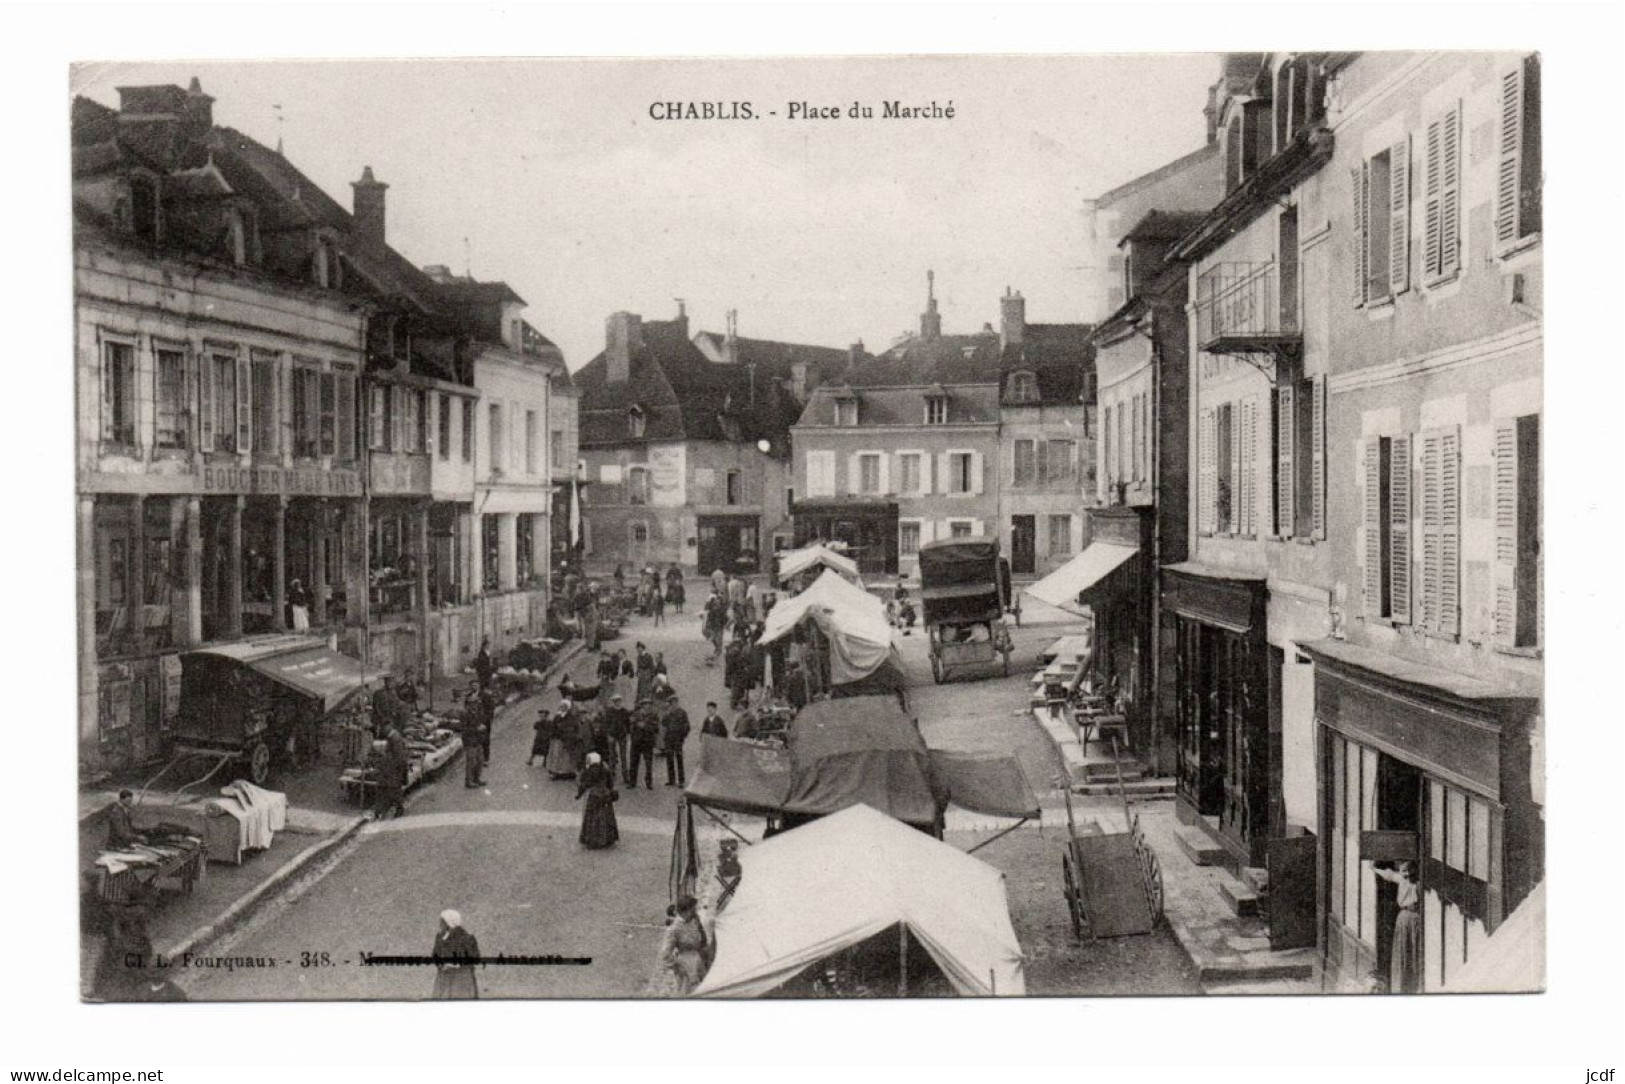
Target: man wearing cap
(455, 954)
(645, 736)
(713, 723)
(674, 728)
(618, 722)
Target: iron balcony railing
(1239, 307)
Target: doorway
(1399, 809)
(1023, 545)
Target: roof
(1162, 172)
(683, 395)
(864, 873)
(1163, 226)
(947, 359)
(776, 358)
(1060, 356)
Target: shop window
(118, 392)
(908, 538)
(1060, 535)
(173, 419)
(1352, 895)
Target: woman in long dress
(597, 783)
(564, 751)
(455, 949)
(1405, 956)
(684, 948)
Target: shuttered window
(345, 394)
(1517, 567)
(1025, 467)
(118, 392)
(1247, 482)
(1399, 529)
(1357, 230)
(1441, 215)
(245, 405)
(1386, 523)
(1399, 217)
(1207, 474)
(1375, 524)
(1440, 510)
(1286, 436)
(1226, 452)
(1382, 194)
(1317, 456)
(1517, 170)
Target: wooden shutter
(1399, 220)
(1357, 184)
(1232, 424)
(885, 473)
(1432, 197)
(109, 362)
(976, 470)
(1450, 192)
(1432, 517)
(1509, 157)
(1207, 474)
(854, 473)
(205, 401)
(1504, 571)
(1247, 518)
(1399, 529)
(344, 407)
(1286, 436)
(1372, 520)
(1317, 457)
(1450, 532)
(245, 404)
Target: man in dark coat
(674, 728)
(713, 723)
(645, 671)
(392, 772)
(387, 709)
(476, 741)
(644, 738)
(618, 723)
(120, 824)
(484, 668)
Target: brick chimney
(730, 339)
(1012, 319)
(854, 353)
(368, 207)
(197, 116)
(682, 317)
(623, 337)
(930, 319)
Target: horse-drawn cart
(965, 591)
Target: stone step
(1198, 846)
(1257, 879)
(1139, 788)
(1263, 967)
(1095, 771)
(1242, 901)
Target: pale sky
(817, 231)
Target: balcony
(1240, 310)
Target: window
(936, 410)
(144, 208)
(908, 473)
(555, 447)
(420, 411)
(1439, 507)
(961, 472)
(1060, 460)
(1117, 439)
(1382, 212)
(1298, 432)
(531, 466)
(868, 473)
(468, 430)
(494, 431)
(225, 400)
(1459, 830)
(960, 528)
(908, 537)
(1517, 171)
(344, 382)
(381, 424)
(1286, 243)
(444, 418)
(325, 263)
(239, 235)
(491, 548)
(1106, 443)
(1388, 528)
(118, 392)
(1518, 561)
(640, 533)
(173, 420)
(820, 474)
(1441, 196)
(1060, 535)
(846, 412)
(414, 416)
(306, 412)
(635, 423)
(637, 485)
(524, 545)
(1025, 456)
(1225, 467)
(327, 404)
(734, 487)
(1134, 441)
(1023, 387)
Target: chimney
(198, 114)
(1012, 319)
(369, 207)
(682, 317)
(798, 381)
(623, 337)
(730, 340)
(854, 353)
(930, 319)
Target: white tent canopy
(851, 618)
(840, 880)
(1061, 587)
(798, 561)
(1513, 959)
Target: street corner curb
(248, 900)
(1066, 745)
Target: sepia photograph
(810, 528)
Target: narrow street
(507, 857)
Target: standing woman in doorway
(1405, 958)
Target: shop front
(1424, 766)
(1227, 759)
(868, 528)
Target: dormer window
(1023, 387)
(237, 236)
(846, 411)
(936, 410)
(144, 208)
(325, 264)
(635, 422)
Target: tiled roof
(1163, 226)
(947, 359)
(1059, 356)
(776, 358)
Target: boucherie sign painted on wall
(291, 480)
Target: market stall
(854, 640)
(882, 894)
(814, 557)
(431, 744)
(167, 857)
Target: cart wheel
(1074, 901)
(936, 670)
(259, 764)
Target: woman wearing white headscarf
(598, 827)
(455, 951)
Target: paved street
(506, 856)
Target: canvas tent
(1063, 587)
(863, 750)
(852, 620)
(1513, 959)
(847, 878)
(795, 562)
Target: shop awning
(985, 783)
(315, 671)
(1062, 587)
(740, 776)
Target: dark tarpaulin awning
(985, 783)
(318, 672)
(740, 776)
